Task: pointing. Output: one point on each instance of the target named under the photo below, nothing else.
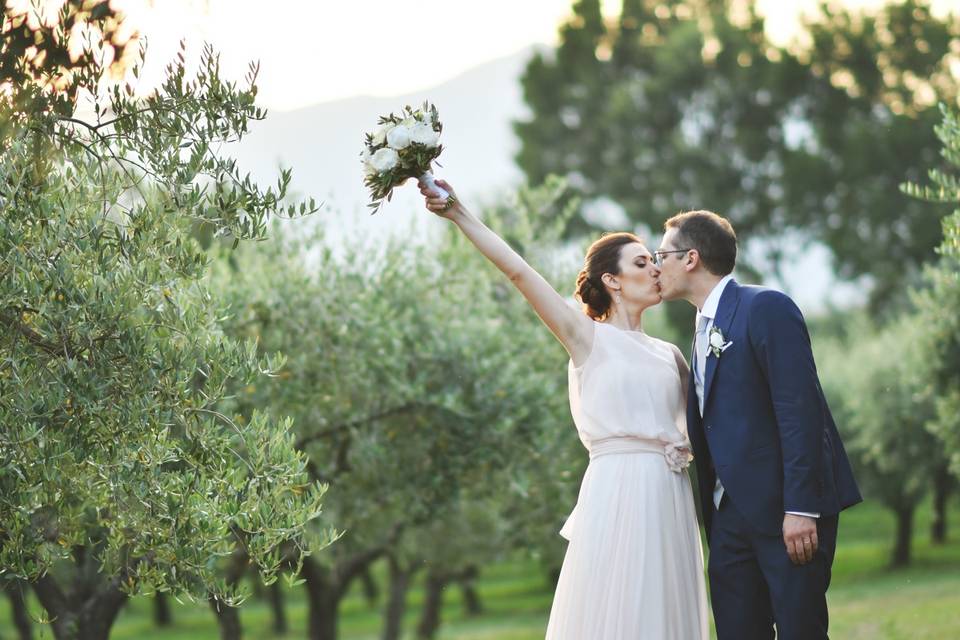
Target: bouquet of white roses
(402, 147)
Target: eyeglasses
(658, 255)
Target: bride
(633, 568)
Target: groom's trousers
(754, 585)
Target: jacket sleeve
(779, 338)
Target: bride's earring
(619, 299)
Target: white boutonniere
(718, 344)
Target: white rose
(365, 158)
(716, 340)
(399, 137)
(381, 134)
(384, 160)
(409, 122)
(423, 133)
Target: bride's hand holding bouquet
(443, 203)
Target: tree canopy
(688, 105)
(119, 472)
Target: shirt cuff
(802, 513)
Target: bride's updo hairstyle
(603, 256)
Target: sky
(314, 51)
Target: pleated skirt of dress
(633, 568)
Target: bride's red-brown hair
(602, 257)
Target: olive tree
(119, 472)
(938, 307)
(874, 380)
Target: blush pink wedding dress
(633, 568)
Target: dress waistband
(624, 444)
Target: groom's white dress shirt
(705, 317)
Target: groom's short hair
(711, 235)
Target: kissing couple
(749, 411)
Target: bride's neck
(626, 318)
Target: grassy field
(867, 599)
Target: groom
(773, 473)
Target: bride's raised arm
(571, 327)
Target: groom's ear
(693, 259)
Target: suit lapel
(725, 312)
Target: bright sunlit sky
(319, 50)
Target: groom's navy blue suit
(767, 433)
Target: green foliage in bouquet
(404, 146)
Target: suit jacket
(766, 429)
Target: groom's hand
(800, 537)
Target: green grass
(867, 599)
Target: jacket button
(709, 427)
